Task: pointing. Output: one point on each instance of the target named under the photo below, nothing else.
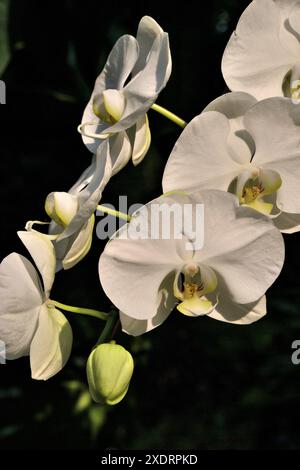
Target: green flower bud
(109, 370)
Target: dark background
(198, 383)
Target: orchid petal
(80, 246)
(147, 32)
(260, 52)
(234, 106)
(90, 196)
(290, 18)
(43, 254)
(119, 64)
(51, 345)
(21, 297)
(166, 304)
(85, 178)
(200, 158)
(275, 127)
(242, 246)
(231, 312)
(120, 151)
(142, 139)
(287, 223)
(142, 262)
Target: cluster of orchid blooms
(240, 158)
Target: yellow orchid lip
(198, 282)
(195, 307)
(260, 206)
(253, 185)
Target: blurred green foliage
(197, 383)
(4, 49)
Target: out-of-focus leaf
(8, 431)
(73, 386)
(44, 414)
(83, 402)
(4, 49)
(97, 416)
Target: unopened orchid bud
(61, 207)
(109, 370)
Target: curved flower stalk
(118, 109)
(262, 56)
(72, 213)
(147, 277)
(250, 149)
(29, 324)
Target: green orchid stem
(159, 109)
(119, 215)
(110, 328)
(82, 311)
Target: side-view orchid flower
(117, 108)
(29, 323)
(147, 277)
(72, 213)
(250, 149)
(262, 56)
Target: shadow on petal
(166, 304)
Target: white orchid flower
(118, 109)
(262, 56)
(146, 278)
(29, 324)
(72, 213)
(250, 149)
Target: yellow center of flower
(291, 83)
(295, 90)
(251, 191)
(192, 289)
(198, 281)
(254, 185)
